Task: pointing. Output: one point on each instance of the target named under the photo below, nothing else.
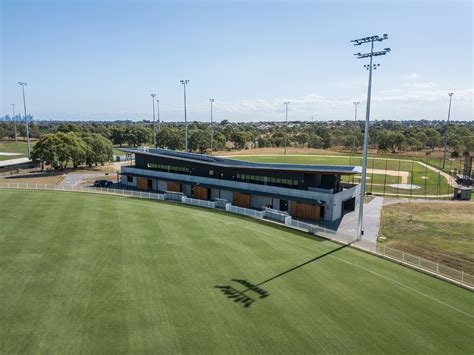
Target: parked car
(102, 183)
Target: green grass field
(449, 240)
(429, 181)
(85, 273)
(12, 147)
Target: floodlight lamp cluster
(211, 100)
(359, 41)
(374, 66)
(153, 95)
(22, 83)
(184, 82)
(374, 54)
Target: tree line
(386, 136)
(60, 148)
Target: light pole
(369, 67)
(159, 122)
(14, 122)
(447, 127)
(184, 83)
(356, 103)
(286, 103)
(154, 127)
(212, 130)
(22, 84)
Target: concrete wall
(260, 201)
(162, 185)
(123, 181)
(227, 195)
(186, 189)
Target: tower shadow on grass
(243, 298)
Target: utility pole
(286, 103)
(447, 128)
(14, 123)
(356, 103)
(212, 128)
(154, 127)
(369, 67)
(159, 122)
(22, 84)
(184, 83)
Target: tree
(171, 138)
(118, 135)
(433, 138)
(76, 148)
(315, 141)
(137, 135)
(98, 149)
(199, 140)
(59, 148)
(240, 139)
(302, 138)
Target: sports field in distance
(381, 172)
(84, 273)
(20, 150)
(441, 232)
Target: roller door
(241, 200)
(305, 211)
(201, 193)
(174, 186)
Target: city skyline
(92, 61)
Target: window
(173, 168)
(211, 172)
(129, 178)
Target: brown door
(305, 211)
(241, 200)
(174, 186)
(200, 192)
(142, 183)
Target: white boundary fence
(442, 271)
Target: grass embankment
(104, 274)
(441, 232)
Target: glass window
(129, 178)
(211, 172)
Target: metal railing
(199, 203)
(245, 211)
(434, 268)
(424, 264)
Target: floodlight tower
(154, 128)
(14, 122)
(356, 103)
(369, 67)
(212, 130)
(184, 83)
(447, 128)
(158, 118)
(286, 103)
(23, 84)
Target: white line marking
(406, 286)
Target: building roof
(234, 163)
(5, 163)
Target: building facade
(308, 192)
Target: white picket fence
(438, 269)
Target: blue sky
(102, 59)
